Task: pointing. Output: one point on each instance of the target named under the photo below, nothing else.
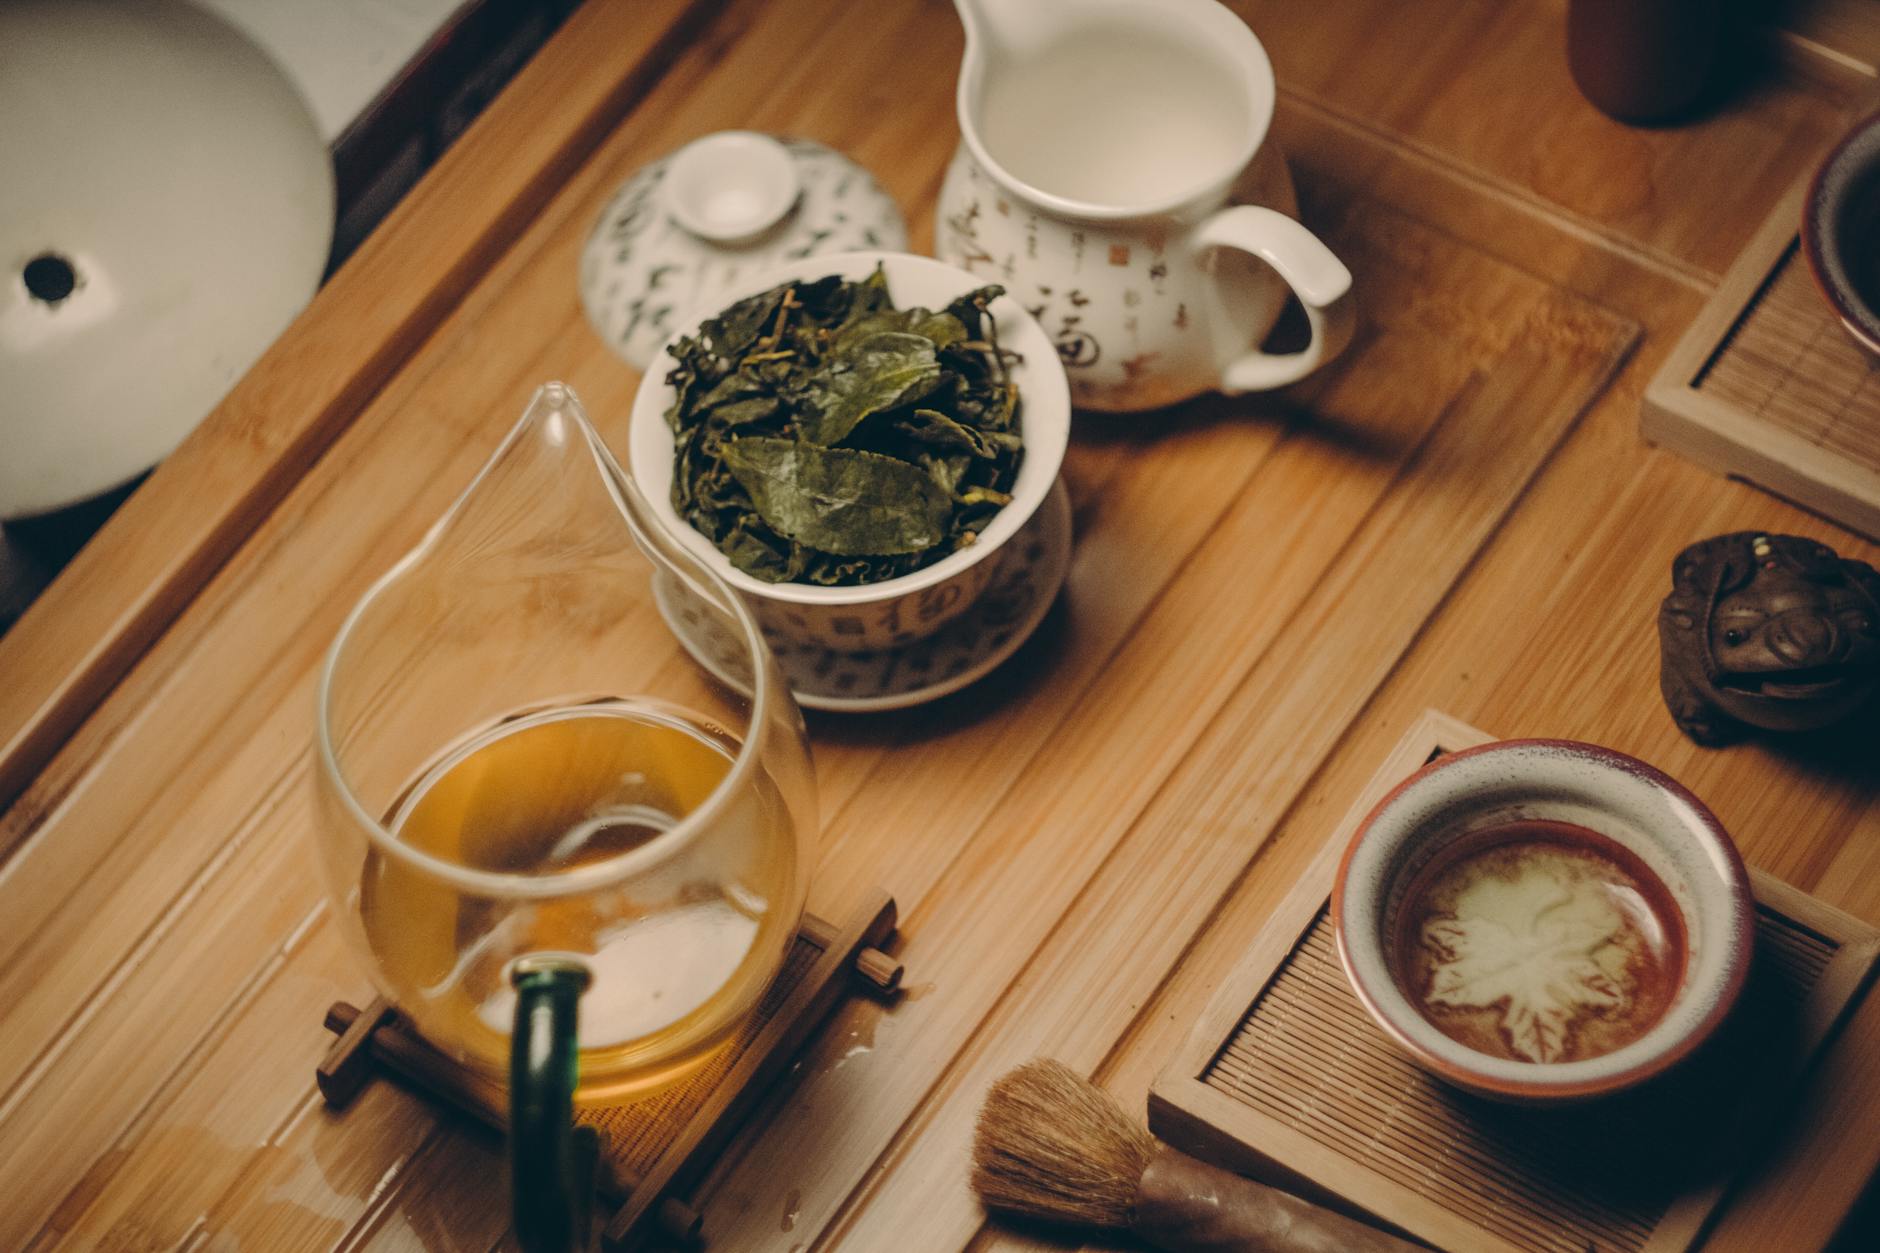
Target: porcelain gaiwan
(896, 612)
(1113, 173)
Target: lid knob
(730, 187)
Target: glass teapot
(569, 856)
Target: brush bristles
(1052, 1145)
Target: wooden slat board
(1460, 514)
(1768, 386)
(651, 1150)
(1790, 363)
(1286, 1077)
(1407, 512)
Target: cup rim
(1045, 392)
(1829, 273)
(1228, 30)
(594, 875)
(1728, 985)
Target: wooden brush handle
(1188, 1206)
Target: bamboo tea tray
(652, 1150)
(1767, 386)
(1286, 1079)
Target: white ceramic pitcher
(1112, 174)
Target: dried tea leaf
(947, 471)
(901, 425)
(942, 329)
(839, 500)
(883, 371)
(937, 430)
(746, 411)
(734, 332)
(759, 553)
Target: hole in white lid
(49, 278)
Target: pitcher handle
(551, 1160)
(1318, 278)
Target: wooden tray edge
(1243, 985)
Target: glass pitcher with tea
(573, 860)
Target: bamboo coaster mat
(1767, 386)
(652, 1151)
(635, 1136)
(1287, 1079)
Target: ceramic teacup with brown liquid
(1543, 920)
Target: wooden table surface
(1266, 592)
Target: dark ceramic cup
(1536, 950)
(1841, 231)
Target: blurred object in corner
(171, 212)
(1644, 61)
(393, 83)
(389, 86)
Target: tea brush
(1053, 1146)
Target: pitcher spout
(1001, 35)
(1113, 176)
(1111, 109)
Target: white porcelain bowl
(1646, 813)
(898, 611)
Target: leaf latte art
(1543, 975)
(1541, 942)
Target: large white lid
(161, 166)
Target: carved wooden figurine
(1769, 631)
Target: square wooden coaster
(1767, 386)
(652, 1151)
(1288, 1080)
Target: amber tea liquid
(679, 956)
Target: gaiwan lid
(168, 209)
(694, 224)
